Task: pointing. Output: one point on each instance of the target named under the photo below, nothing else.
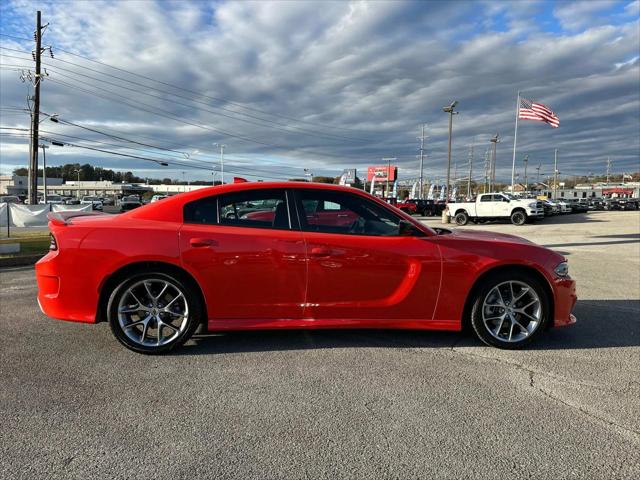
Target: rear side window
(252, 208)
(486, 198)
(203, 211)
(255, 208)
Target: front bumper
(565, 299)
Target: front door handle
(320, 252)
(202, 242)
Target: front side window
(340, 212)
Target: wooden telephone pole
(35, 116)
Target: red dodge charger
(294, 255)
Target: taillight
(53, 245)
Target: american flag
(537, 111)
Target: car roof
(171, 208)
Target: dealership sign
(349, 176)
(383, 173)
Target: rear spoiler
(62, 218)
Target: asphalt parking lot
(338, 404)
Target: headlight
(533, 205)
(562, 270)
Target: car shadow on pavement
(601, 324)
(586, 244)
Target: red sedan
(294, 255)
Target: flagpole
(515, 139)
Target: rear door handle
(202, 242)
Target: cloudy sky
(324, 85)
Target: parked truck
(493, 206)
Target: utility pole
(492, 180)
(470, 171)
(608, 168)
(526, 181)
(555, 174)
(78, 184)
(485, 187)
(44, 171)
(538, 172)
(388, 159)
(420, 194)
(451, 113)
(222, 147)
(35, 116)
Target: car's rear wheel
(518, 217)
(510, 310)
(153, 312)
(461, 218)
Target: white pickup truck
(490, 206)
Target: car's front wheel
(153, 312)
(510, 310)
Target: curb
(19, 261)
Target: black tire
(461, 218)
(487, 287)
(519, 217)
(191, 302)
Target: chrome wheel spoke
(166, 307)
(134, 297)
(145, 325)
(497, 330)
(523, 292)
(164, 289)
(151, 296)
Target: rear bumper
(565, 300)
(63, 291)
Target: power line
(218, 99)
(266, 123)
(169, 115)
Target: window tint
(204, 211)
(486, 198)
(255, 208)
(345, 213)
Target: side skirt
(310, 323)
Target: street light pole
(526, 181)
(420, 194)
(555, 174)
(221, 147)
(44, 171)
(492, 179)
(451, 113)
(389, 160)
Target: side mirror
(408, 229)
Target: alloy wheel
(153, 312)
(512, 311)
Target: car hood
(464, 234)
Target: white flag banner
(72, 208)
(4, 212)
(28, 215)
